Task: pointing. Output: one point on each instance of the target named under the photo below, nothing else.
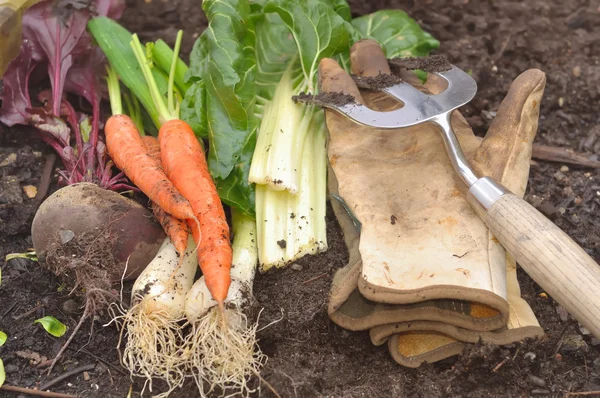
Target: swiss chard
(289, 39)
(55, 38)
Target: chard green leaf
(3, 338)
(275, 48)
(319, 32)
(192, 108)
(2, 374)
(398, 34)
(52, 325)
(224, 60)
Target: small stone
(10, 160)
(296, 267)
(561, 101)
(577, 71)
(66, 235)
(529, 355)
(86, 376)
(558, 357)
(30, 191)
(10, 191)
(70, 306)
(538, 381)
(578, 200)
(562, 313)
(494, 69)
(573, 343)
(543, 295)
(37, 154)
(564, 169)
(584, 331)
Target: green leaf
(52, 325)
(318, 30)
(3, 337)
(2, 374)
(27, 255)
(162, 55)
(192, 109)
(114, 41)
(223, 59)
(398, 34)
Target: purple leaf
(15, 94)
(57, 30)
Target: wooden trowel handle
(560, 266)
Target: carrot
(185, 165)
(127, 150)
(175, 229)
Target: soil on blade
(309, 356)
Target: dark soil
(379, 82)
(434, 63)
(309, 355)
(324, 99)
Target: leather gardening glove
(425, 274)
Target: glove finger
(333, 79)
(505, 152)
(368, 59)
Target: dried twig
(67, 375)
(38, 393)
(572, 394)
(563, 155)
(497, 367)
(315, 278)
(31, 311)
(86, 313)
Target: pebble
(70, 306)
(573, 343)
(538, 381)
(494, 69)
(296, 267)
(66, 235)
(564, 169)
(577, 71)
(30, 191)
(561, 101)
(584, 331)
(10, 191)
(529, 355)
(10, 160)
(86, 376)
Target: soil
(324, 99)
(434, 63)
(309, 356)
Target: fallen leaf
(52, 325)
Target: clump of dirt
(84, 263)
(431, 64)
(376, 83)
(325, 99)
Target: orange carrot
(185, 165)
(175, 229)
(127, 150)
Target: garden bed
(309, 356)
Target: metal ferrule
(484, 193)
